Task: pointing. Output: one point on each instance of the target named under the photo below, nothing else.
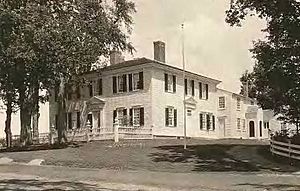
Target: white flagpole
(183, 74)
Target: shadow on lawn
(24, 185)
(217, 158)
(38, 147)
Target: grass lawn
(164, 155)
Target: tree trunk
(8, 124)
(25, 116)
(61, 112)
(36, 114)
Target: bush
(285, 136)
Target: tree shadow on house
(32, 184)
(217, 158)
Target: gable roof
(143, 60)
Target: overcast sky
(212, 47)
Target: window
(120, 115)
(222, 102)
(170, 83)
(238, 103)
(200, 90)
(238, 123)
(136, 116)
(189, 112)
(244, 125)
(260, 128)
(122, 85)
(136, 81)
(208, 123)
(171, 117)
(192, 88)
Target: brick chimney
(159, 51)
(116, 57)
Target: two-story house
(144, 93)
(240, 117)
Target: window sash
(136, 116)
(222, 102)
(120, 84)
(238, 123)
(171, 117)
(170, 83)
(238, 104)
(135, 81)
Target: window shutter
(185, 87)
(214, 123)
(114, 84)
(141, 80)
(206, 89)
(174, 83)
(70, 120)
(124, 116)
(166, 82)
(130, 82)
(130, 117)
(201, 121)
(167, 116)
(142, 116)
(200, 90)
(175, 117)
(114, 116)
(100, 86)
(124, 83)
(78, 119)
(193, 87)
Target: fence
(285, 149)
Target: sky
(212, 47)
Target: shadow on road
(273, 186)
(25, 185)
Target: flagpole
(183, 76)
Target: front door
(251, 129)
(222, 127)
(90, 119)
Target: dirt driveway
(165, 156)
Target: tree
(59, 40)
(247, 88)
(276, 72)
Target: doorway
(222, 127)
(90, 119)
(251, 129)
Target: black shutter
(214, 123)
(193, 87)
(167, 116)
(78, 119)
(174, 83)
(124, 117)
(166, 82)
(206, 88)
(114, 84)
(100, 87)
(70, 120)
(201, 121)
(142, 116)
(130, 117)
(175, 117)
(200, 90)
(185, 87)
(124, 83)
(114, 116)
(130, 82)
(141, 81)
